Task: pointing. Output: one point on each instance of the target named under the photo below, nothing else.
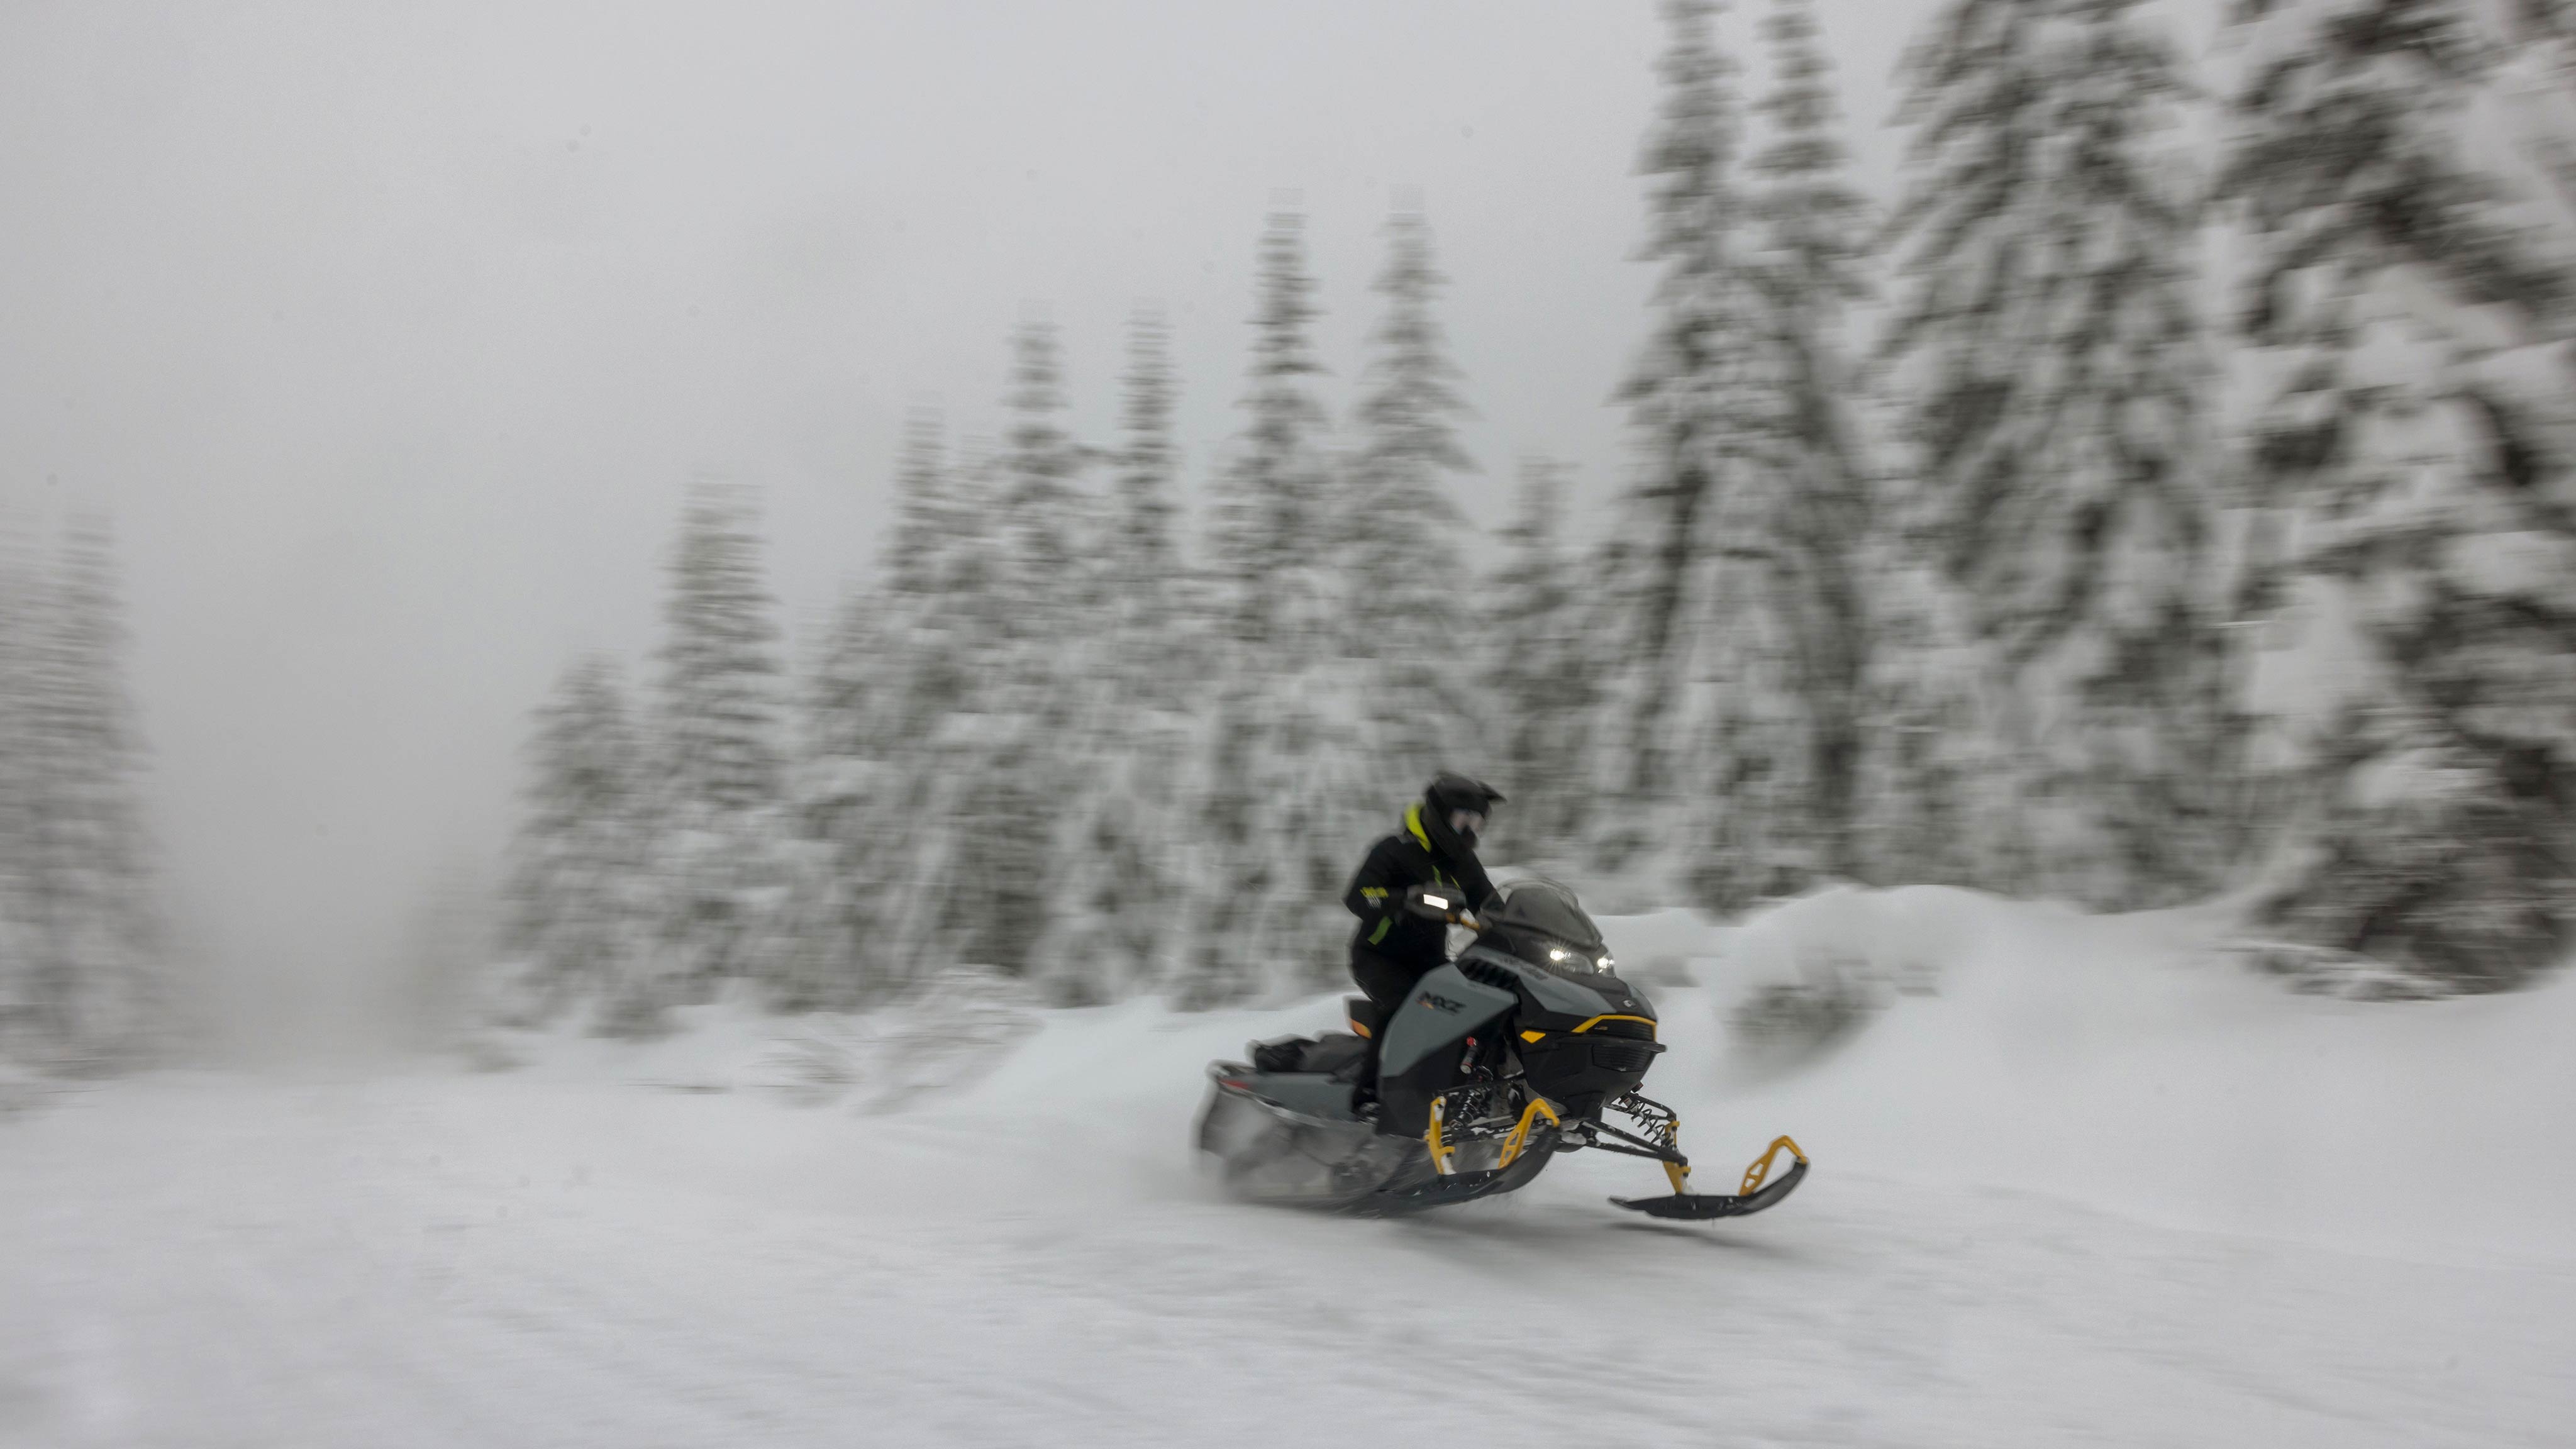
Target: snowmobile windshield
(1549, 909)
(1540, 922)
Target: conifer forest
(2168, 493)
(2165, 492)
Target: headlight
(1576, 960)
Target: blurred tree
(2055, 376)
(1116, 885)
(719, 722)
(18, 596)
(1789, 635)
(1268, 522)
(80, 915)
(1043, 515)
(576, 890)
(1147, 583)
(1543, 672)
(1925, 796)
(889, 741)
(2410, 303)
(720, 806)
(1399, 532)
(1687, 397)
(1738, 682)
(1009, 805)
(1282, 771)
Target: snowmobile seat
(1367, 1017)
(1338, 1056)
(1330, 1055)
(1279, 1054)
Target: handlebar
(1440, 903)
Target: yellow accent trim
(1413, 822)
(1533, 1036)
(1677, 1173)
(1358, 1030)
(1596, 1021)
(1761, 1167)
(1431, 1136)
(1519, 1137)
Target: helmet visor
(1468, 824)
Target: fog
(390, 339)
(2028, 671)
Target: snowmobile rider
(1394, 946)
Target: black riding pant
(1385, 980)
(1388, 982)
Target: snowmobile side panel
(1309, 1094)
(1443, 1008)
(1426, 1040)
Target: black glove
(1436, 902)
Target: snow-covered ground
(2077, 1180)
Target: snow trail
(566, 1255)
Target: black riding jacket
(1394, 866)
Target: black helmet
(1455, 809)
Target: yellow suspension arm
(1761, 1167)
(1519, 1136)
(1677, 1172)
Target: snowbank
(2125, 1063)
(2129, 1063)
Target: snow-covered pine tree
(1146, 583)
(1268, 519)
(577, 916)
(1782, 633)
(87, 923)
(1006, 806)
(1278, 823)
(1045, 521)
(720, 775)
(1925, 804)
(2409, 297)
(879, 685)
(1399, 532)
(938, 575)
(1116, 885)
(17, 798)
(720, 669)
(899, 674)
(1544, 677)
(2055, 378)
(919, 554)
(1010, 804)
(1694, 402)
(1809, 489)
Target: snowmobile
(1525, 1046)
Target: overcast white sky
(390, 334)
